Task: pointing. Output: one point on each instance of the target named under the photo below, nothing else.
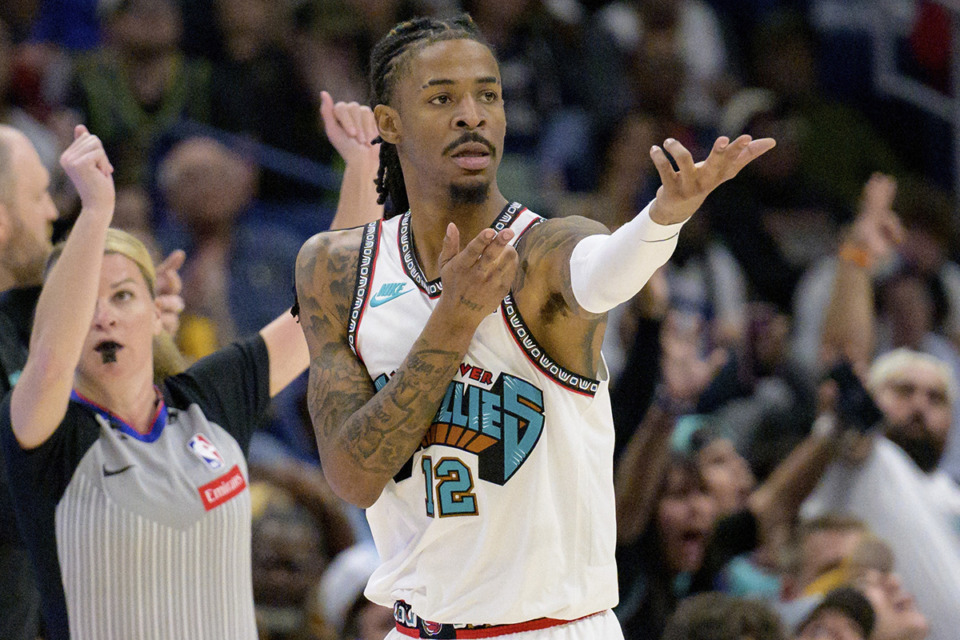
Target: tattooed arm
(544, 296)
(365, 437)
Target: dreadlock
(386, 61)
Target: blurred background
(209, 109)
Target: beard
(923, 447)
(25, 255)
(469, 194)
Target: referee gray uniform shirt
(147, 535)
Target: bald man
(27, 213)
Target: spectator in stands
(327, 55)
(208, 188)
(871, 566)
(917, 287)
(625, 34)
(670, 542)
(257, 90)
(235, 256)
(288, 557)
(717, 616)
(23, 106)
(843, 614)
(139, 84)
(304, 484)
(785, 221)
(834, 553)
(896, 489)
(299, 526)
(341, 600)
(819, 547)
(783, 59)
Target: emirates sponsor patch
(224, 488)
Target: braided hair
(386, 62)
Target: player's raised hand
(477, 277)
(351, 129)
(684, 190)
(85, 163)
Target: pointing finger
(173, 262)
(168, 275)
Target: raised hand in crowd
(684, 371)
(877, 230)
(684, 375)
(848, 327)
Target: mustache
(470, 136)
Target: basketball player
(457, 388)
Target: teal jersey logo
(388, 292)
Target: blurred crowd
(760, 493)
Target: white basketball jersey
(506, 511)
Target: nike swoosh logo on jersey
(112, 472)
(388, 292)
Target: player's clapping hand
(684, 190)
(476, 278)
(351, 129)
(85, 163)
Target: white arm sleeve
(606, 270)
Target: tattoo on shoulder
(545, 250)
(326, 273)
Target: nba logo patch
(205, 450)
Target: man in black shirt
(27, 213)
